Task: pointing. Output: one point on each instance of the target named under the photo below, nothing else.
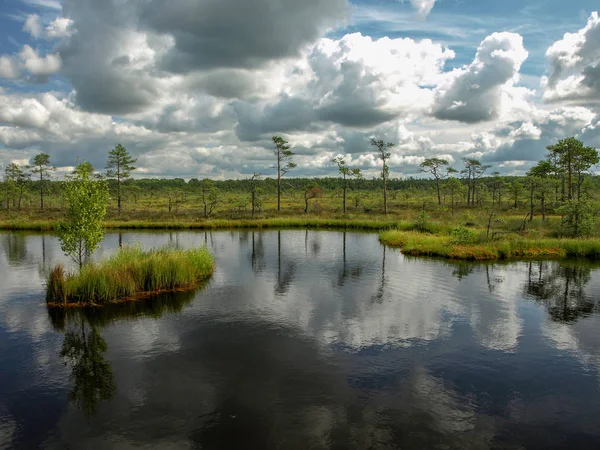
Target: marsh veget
(130, 274)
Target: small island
(130, 274)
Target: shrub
(463, 235)
(422, 223)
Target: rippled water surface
(305, 339)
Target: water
(305, 339)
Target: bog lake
(304, 339)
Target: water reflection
(91, 374)
(346, 271)
(308, 339)
(15, 248)
(285, 276)
(561, 288)
(84, 348)
(257, 255)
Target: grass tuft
(129, 274)
(513, 247)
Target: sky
(197, 88)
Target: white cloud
(474, 93)
(33, 25)
(30, 61)
(60, 27)
(38, 65)
(575, 65)
(8, 67)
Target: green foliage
(119, 166)
(129, 273)
(571, 159)
(284, 162)
(463, 235)
(384, 154)
(434, 167)
(578, 217)
(422, 222)
(208, 196)
(86, 198)
(41, 166)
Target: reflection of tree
(378, 296)
(461, 270)
(84, 348)
(15, 246)
(492, 281)
(91, 374)
(258, 253)
(42, 268)
(284, 279)
(355, 272)
(561, 288)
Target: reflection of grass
(418, 244)
(153, 307)
(129, 274)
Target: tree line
(560, 182)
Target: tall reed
(129, 273)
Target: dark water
(305, 340)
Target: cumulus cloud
(30, 61)
(33, 25)
(206, 34)
(51, 118)
(35, 64)
(474, 93)
(354, 81)
(205, 88)
(60, 27)
(575, 65)
(8, 67)
(527, 140)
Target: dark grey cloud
(355, 101)
(287, 115)
(238, 33)
(228, 83)
(591, 78)
(96, 58)
(121, 56)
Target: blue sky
(196, 89)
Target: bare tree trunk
(278, 182)
(344, 193)
(531, 203)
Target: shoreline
(441, 246)
(218, 224)
(394, 233)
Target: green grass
(513, 247)
(129, 274)
(376, 223)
